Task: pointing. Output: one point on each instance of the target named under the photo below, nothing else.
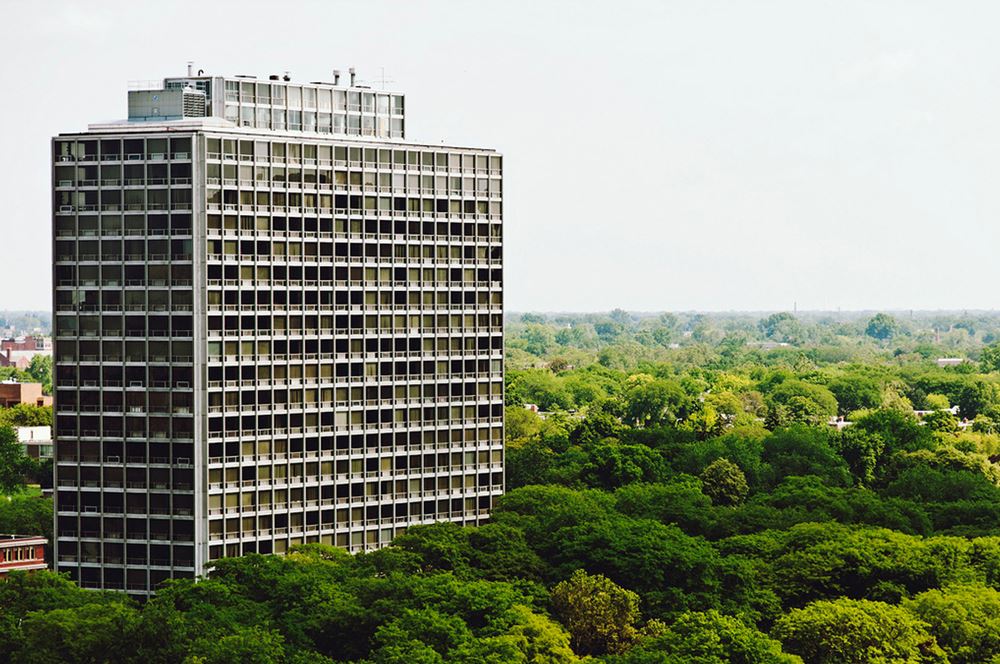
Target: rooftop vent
(193, 103)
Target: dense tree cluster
(692, 491)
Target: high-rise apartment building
(277, 321)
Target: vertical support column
(199, 282)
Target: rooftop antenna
(383, 80)
(380, 82)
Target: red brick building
(13, 393)
(19, 352)
(21, 343)
(24, 552)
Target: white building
(37, 441)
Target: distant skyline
(709, 156)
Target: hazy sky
(659, 156)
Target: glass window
(294, 97)
(309, 97)
(323, 99)
(278, 94)
(324, 120)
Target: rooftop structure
(275, 103)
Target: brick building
(13, 393)
(22, 552)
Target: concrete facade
(267, 337)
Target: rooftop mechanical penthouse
(276, 321)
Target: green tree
(529, 638)
(900, 430)
(26, 515)
(942, 421)
(801, 450)
(847, 631)
(91, 633)
(15, 465)
(680, 501)
(538, 339)
(803, 402)
(936, 402)
(26, 415)
(40, 369)
(781, 326)
(855, 392)
(520, 423)
(247, 645)
(862, 450)
(724, 482)
(540, 387)
(709, 638)
(882, 327)
(989, 359)
(611, 464)
(426, 626)
(653, 402)
(964, 619)
(601, 616)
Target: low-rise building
(13, 393)
(37, 441)
(19, 351)
(22, 552)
